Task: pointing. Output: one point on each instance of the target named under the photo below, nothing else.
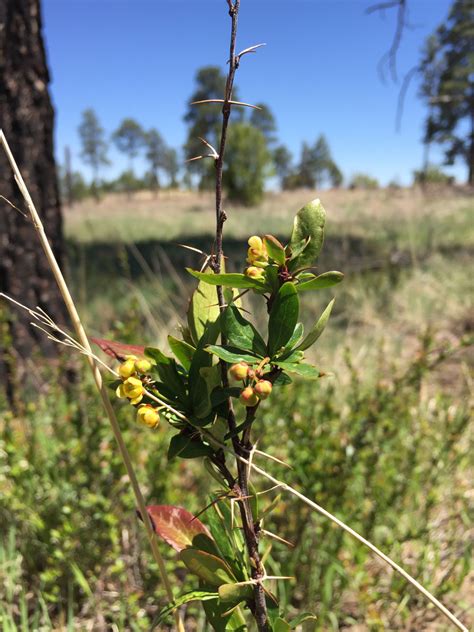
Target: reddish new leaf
(118, 350)
(177, 526)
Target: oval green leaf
(283, 318)
(327, 279)
(317, 328)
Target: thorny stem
(241, 448)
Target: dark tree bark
(27, 118)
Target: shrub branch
(242, 447)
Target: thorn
(199, 157)
(214, 152)
(248, 105)
(277, 537)
(250, 49)
(201, 252)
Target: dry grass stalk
(84, 341)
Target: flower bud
(148, 416)
(127, 368)
(239, 371)
(248, 397)
(263, 388)
(254, 273)
(143, 365)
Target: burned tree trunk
(27, 118)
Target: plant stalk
(83, 339)
(258, 608)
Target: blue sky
(318, 71)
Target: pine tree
(129, 138)
(155, 152)
(282, 160)
(171, 166)
(447, 68)
(264, 120)
(94, 146)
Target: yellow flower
(127, 368)
(257, 251)
(254, 273)
(143, 365)
(132, 388)
(148, 416)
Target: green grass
(384, 443)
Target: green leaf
(280, 625)
(224, 541)
(210, 568)
(301, 618)
(198, 382)
(275, 249)
(234, 536)
(232, 355)
(186, 447)
(305, 370)
(271, 277)
(169, 375)
(232, 279)
(233, 594)
(195, 595)
(240, 332)
(294, 251)
(291, 356)
(296, 335)
(203, 309)
(308, 223)
(220, 395)
(317, 328)
(182, 350)
(282, 380)
(283, 318)
(270, 507)
(327, 279)
(157, 356)
(221, 620)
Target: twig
(258, 607)
(390, 57)
(84, 341)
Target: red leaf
(177, 526)
(118, 349)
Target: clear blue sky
(318, 71)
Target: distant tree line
(253, 153)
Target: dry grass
(374, 214)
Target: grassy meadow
(384, 441)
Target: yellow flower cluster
(132, 389)
(257, 257)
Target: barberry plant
(209, 389)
